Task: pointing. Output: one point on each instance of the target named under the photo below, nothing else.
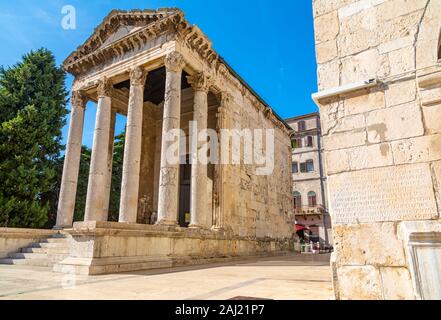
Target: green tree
(115, 188)
(32, 113)
(83, 177)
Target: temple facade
(161, 73)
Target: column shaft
(200, 216)
(169, 172)
(71, 166)
(98, 174)
(132, 150)
(109, 164)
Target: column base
(61, 227)
(169, 223)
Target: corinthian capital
(105, 88)
(226, 98)
(79, 99)
(174, 61)
(137, 76)
(199, 81)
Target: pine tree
(32, 113)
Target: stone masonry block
(373, 243)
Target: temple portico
(101, 160)
(162, 74)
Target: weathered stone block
(356, 7)
(395, 123)
(325, 6)
(359, 283)
(377, 155)
(402, 60)
(326, 27)
(343, 140)
(337, 161)
(337, 122)
(400, 92)
(364, 102)
(398, 27)
(362, 21)
(379, 194)
(432, 118)
(328, 75)
(326, 51)
(395, 8)
(397, 284)
(396, 44)
(360, 244)
(365, 65)
(420, 149)
(356, 42)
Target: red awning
(300, 227)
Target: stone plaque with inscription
(383, 194)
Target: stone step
(54, 240)
(27, 262)
(58, 235)
(45, 253)
(49, 245)
(45, 250)
(38, 256)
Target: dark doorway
(184, 193)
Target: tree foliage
(32, 113)
(115, 189)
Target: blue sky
(270, 43)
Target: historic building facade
(161, 72)
(309, 181)
(379, 80)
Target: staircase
(45, 253)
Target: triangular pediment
(117, 25)
(120, 33)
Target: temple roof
(116, 25)
(121, 31)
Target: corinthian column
(169, 172)
(98, 174)
(200, 217)
(132, 150)
(71, 166)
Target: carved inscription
(383, 194)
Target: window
(301, 125)
(307, 166)
(312, 199)
(309, 141)
(297, 200)
(295, 167)
(296, 143)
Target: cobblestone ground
(285, 277)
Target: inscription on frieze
(383, 194)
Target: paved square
(286, 277)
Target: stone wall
(382, 144)
(257, 205)
(109, 247)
